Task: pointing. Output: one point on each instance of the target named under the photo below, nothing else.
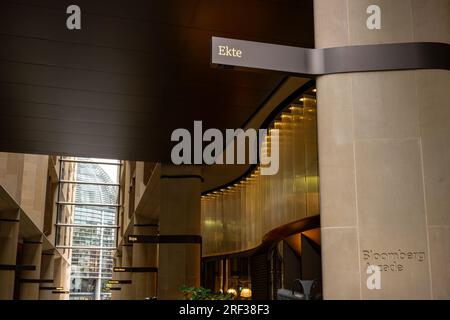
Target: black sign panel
(314, 62)
(115, 289)
(135, 269)
(51, 288)
(257, 55)
(119, 281)
(60, 292)
(164, 239)
(17, 267)
(36, 280)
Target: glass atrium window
(87, 223)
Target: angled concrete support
(9, 232)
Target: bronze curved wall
(236, 218)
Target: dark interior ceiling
(136, 71)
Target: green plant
(193, 293)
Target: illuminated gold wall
(236, 218)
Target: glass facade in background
(236, 218)
(94, 227)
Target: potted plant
(194, 293)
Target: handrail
(272, 237)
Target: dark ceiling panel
(136, 71)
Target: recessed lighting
(246, 293)
(232, 292)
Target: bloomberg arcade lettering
(230, 52)
(392, 260)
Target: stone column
(115, 295)
(31, 255)
(58, 277)
(62, 278)
(144, 255)
(179, 264)
(127, 292)
(47, 273)
(384, 150)
(9, 232)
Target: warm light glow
(246, 293)
(295, 108)
(314, 90)
(232, 291)
(272, 131)
(249, 211)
